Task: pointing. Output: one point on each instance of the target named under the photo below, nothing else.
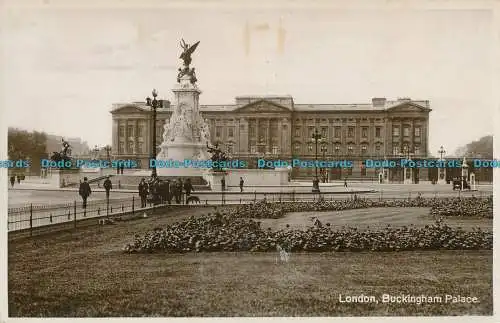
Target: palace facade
(275, 127)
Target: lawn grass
(84, 273)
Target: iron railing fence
(74, 212)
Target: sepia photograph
(275, 159)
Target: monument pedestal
(185, 137)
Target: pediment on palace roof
(127, 108)
(262, 106)
(408, 107)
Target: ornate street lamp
(324, 150)
(107, 148)
(441, 170)
(441, 152)
(315, 138)
(407, 154)
(95, 153)
(154, 104)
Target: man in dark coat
(178, 191)
(84, 192)
(188, 188)
(143, 192)
(242, 182)
(172, 191)
(107, 186)
(12, 180)
(166, 191)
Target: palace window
(253, 149)
(324, 132)
(337, 132)
(417, 131)
(378, 148)
(218, 131)
(350, 132)
(140, 131)
(364, 132)
(130, 131)
(297, 148)
(363, 150)
(310, 132)
(406, 131)
(395, 131)
(121, 147)
(350, 149)
(417, 150)
(395, 150)
(377, 132)
(297, 131)
(121, 131)
(140, 148)
(337, 149)
(130, 147)
(276, 150)
(230, 132)
(251, 131)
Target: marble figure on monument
(64, 154)
(186, 134)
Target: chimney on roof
(378, 102)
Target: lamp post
(154, 104)
(107, 148)
(95, 153)
(316, 138)
(324, 171)
(441, 170)
(407, 154)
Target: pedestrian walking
(241, 184)
(178, 191)
(18, 179)
(223, 184)
(84, 192)
(223, 188)
(188, 188)
(172, 193)
(107, 186)
(12, 180)
(345, 182)
(143, 192)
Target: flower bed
(439, 207)
(225, 232)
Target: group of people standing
(164, 191)
(13, 179)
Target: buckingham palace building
(275, 127)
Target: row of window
(130, 148)
(337, 131)
(140, 130)
(406, 131)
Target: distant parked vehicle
(457, 184)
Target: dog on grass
(193, 199)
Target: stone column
(126, 137)
(116, 140)
(136, 137)
(268, 137)
(280, 135)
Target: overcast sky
(67, 66)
